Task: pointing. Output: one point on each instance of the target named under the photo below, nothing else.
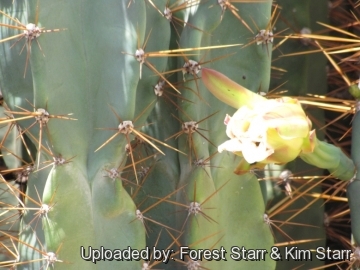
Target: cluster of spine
(117, 137)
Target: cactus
(121, 135)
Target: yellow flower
(271, 131)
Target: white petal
(257, 129)
(255, 153)
(232, 145)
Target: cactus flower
(273, 131)
(266, 131)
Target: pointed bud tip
(227, 90)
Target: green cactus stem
(353, 188)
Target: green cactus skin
(300, 80)
(84, 86)
(96, 75)
(353, 188)
(353, 196)
(354, 91)
(244, 206)
(339, 165)
(87, 71)
(305, 74)
(8, 198)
